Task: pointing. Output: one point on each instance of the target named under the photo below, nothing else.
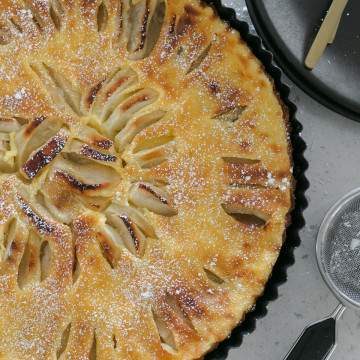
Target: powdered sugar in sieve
(338, 255)
(338, 248)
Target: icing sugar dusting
(135, 283)
(13, 101)
(20, 94)
(343, 250)
(270, 179)
(147, 293)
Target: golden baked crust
(145, 179)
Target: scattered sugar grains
(20, 94)
(344, 251)
(148, 294)
(283, 185)
(14, 100)
(270, 179)
(187, 178)
(214, 260)
(6, 209)
(4, 75)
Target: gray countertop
(333, 143)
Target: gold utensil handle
(333, 36)
(326, 33)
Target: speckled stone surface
(333, 155)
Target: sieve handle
(318, 340)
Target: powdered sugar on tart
(145, 179)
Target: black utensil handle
(316, 342)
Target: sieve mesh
(339, 250)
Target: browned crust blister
(146, 179)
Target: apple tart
(145, 179)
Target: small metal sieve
(338, 257)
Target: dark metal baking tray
(288, 28)
(300, 165)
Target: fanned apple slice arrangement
(80, 167)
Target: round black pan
(288, 28)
